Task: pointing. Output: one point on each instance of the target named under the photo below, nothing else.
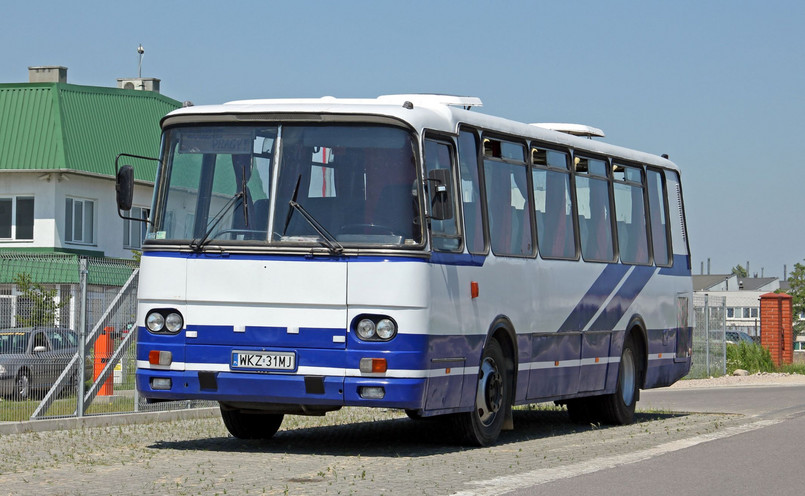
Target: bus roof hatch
(574, 129)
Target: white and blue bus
(406, 252)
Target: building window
(79, 221)
(134, 231)
(17, 218)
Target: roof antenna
(141, 51)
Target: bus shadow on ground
(401, 437)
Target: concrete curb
(67, 423)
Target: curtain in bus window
(509, 216)
(658, 218)
(631, 223)
(594, 219)
(553, 208)
(471, 192)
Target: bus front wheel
(250, 425)
(482, 425)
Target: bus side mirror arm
(441, 205)
(124, 185)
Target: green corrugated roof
(58, 126)
(63, 269)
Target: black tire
(618, 408)
(251, 425)
(414, 414)
(22, 385)
(482, 425)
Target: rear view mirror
(441, 206)
(124, 186)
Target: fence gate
(50, 305)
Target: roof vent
(425, 99)
(47, 74)
(143, 84)
(574, 129)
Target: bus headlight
(174, 322)
(366, 329)
(375, 327)
(164, 321)
(386, 329)
(155, 322)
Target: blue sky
(719, 86)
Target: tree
(739, 271)
(38, 304)
(797, 282)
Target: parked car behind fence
(32, 358)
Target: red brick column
(776, 331)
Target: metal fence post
(724, 334)
(707, 333)
(82, 332)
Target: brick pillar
(776, 331)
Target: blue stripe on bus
(620, 302)
(591, 302)
(438, 258)
(681, 267)
(461, 259)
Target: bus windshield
(332, 185)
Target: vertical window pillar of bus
(272, 205)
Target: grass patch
(13, 411)
(793, 368)
(750, 357)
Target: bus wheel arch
(494, 389)
(502, 330)
(638, 333)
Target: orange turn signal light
(373, 365)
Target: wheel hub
(490, 391)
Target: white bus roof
(443, 113)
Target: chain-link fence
(49, 305)
(709, 336)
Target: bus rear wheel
(482, 425)
(619, 408)
(247, 425)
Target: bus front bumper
(281, 389)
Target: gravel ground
(759, 379)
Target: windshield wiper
(335, 247)
(198, 245)
(290, 209)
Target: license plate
(263, 360)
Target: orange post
(103, 352)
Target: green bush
(751, 357)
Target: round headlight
(155, 322)
(386, 329)
(174, 322)
(366, 329)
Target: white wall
(50, 192)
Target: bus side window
(444, 232)
(630, 214)
(553, 204)
(679, 235)
(509, 212)
(471, 192)
(595, 216)
(658, 216)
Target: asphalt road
(704, 441)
